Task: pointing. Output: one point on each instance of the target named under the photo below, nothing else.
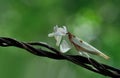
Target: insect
(81, 46)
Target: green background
(95, 21)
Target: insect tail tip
(105, 56)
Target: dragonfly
(81, 46)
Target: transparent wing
(64, 46)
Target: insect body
(80, 45)
(83, 46)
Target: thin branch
(84, 62)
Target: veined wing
(84, 44)
(88, 48)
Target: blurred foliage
(95, 21)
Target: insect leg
(102, 67)
(80, 53)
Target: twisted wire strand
(84, 62)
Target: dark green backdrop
(97, 22)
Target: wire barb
(55, 54)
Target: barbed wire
(84, 62)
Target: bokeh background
(95, 21)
